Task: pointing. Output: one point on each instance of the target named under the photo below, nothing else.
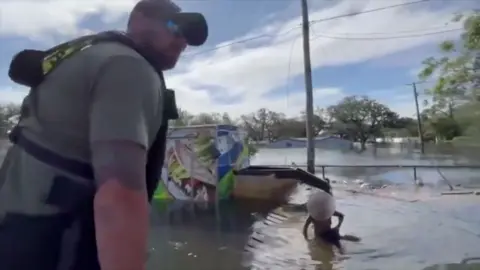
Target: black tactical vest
(66, 241)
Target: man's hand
(120, 204)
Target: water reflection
(188, 235)
(322, 253)
(454, 266)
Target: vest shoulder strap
(30, 67)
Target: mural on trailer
(199, 162)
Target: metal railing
(413, 167)
(392, 166)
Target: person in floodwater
(321, 209)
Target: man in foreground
(86, 145)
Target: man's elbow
(113, 192)
(120, 176)
(113, 200)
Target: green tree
(184, 119)
(320, 119)
(401, 127)
(266, 125)
(456, 93)
(456, 71)
(360, 118)
(445, 128)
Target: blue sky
(350, 56)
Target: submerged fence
(413, 167)
(322, 169)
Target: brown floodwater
(401, 227)
(399, 230)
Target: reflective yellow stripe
(51, 60)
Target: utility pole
(419, 119)
(309, 89)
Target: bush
(466, 140)
(252, 150)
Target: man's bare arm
(125, 104)
(120, 204)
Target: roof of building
(318, 138)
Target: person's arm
(123, 106)
(351, 238)
(305, 226)
(120, 204)
(346, 237)
(340, 217)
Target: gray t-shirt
(105, 92)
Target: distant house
(324, 142)
(11, 122)
(398, 140)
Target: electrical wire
(298, 26)
(355, 13)
(241, 41)
(317, 36)
(290, 55)
(387, 33)
(385, 38)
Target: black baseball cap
(192, 25)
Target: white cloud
(253, 72)
(12, 95)
(35, 18)
(248, 72)
(291, 102)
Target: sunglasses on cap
(174, 29)
(191, 26)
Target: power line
(298, 26)
(385, 38)
(316, 36)
(355, 13)
(389, 33)
(241, 41)
(287, 88)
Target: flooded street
(396, 234)
(401, 227)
